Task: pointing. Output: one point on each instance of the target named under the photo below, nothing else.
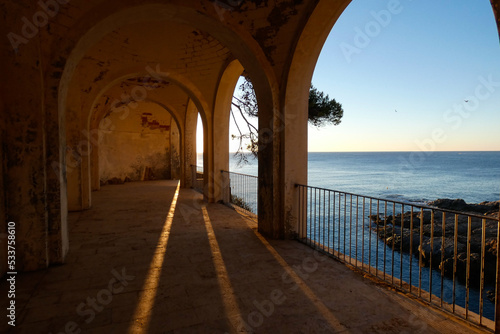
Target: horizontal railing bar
(247, 175)
(421, 206)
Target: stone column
(77, 150)
(175, 158)
(269, 159)
(222, 116)
(22, 92)
(57, 197)
(189, 148)
(208, 157)
(294, 138)
(3, 226)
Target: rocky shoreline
(405, 235)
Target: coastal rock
(486, 208)
(404, 240)
(491, 295)
(474, 270)
(403, 232)
(450, 204)
(491, 247)
(433, 248)
(462, 206)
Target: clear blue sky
(424, 61)
(403, 79)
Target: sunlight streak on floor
(231, 307)
(142, 313)
(325, 312)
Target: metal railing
(445, 258)
(241, 190)
(197, 178)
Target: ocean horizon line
(460, 151)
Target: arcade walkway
(146, 260)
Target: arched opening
(241, 178)
(378, 21)
(420, 94)
(385, 59)
(199, 141)
(241, 125)
(404, 77)
(197, 169)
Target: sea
(417, 177)
(413, 177)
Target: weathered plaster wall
(496, 10)
(3, 228)
(126, 90)
(136, 144)
(22, 91)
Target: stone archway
(238, 42)
(295, 97)
(83, 165)
(295, 101)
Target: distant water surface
(410, 176)
(404, 176)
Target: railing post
(302, 211)
(299, 212)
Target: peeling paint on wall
(496, 11)
(148, 121)
(277, 18)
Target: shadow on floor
(152, 258)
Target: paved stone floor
(144, 260)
